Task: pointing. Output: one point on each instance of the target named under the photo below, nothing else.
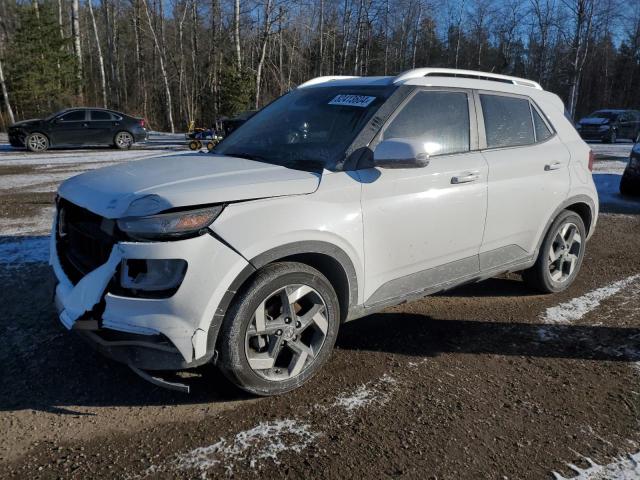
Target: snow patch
(377, 392)
(608, 186)
(262, 442)
(578, 307)
(621, 469)
(22, 250)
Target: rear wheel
(560, 255)
(123, 140)
(37, 142)
(280, 330)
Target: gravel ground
(487, 381)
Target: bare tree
(266, 31)
(236, 33)
(75, 32)
(163, 70)
(582, 13)
(5, 96)
(103, 78)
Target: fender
(569, 201)
(270, 256)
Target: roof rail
(328, 78)
(452, 72)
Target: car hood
(146, 187)
(594, 121)
(28, 123)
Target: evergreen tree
(40, 65)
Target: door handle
(465, 177)
(552, 166)
(85, 124)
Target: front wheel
(37, 142)
(560, 255)
(123, 140)
(280, 330)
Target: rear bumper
(152, 334)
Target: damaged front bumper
(151, 333)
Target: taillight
(592, 157)
(142, 122)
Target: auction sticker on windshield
(352, 100)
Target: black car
(610, 125)
(75, 127)
(630, 182)
(231, 124)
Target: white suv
(344, 196)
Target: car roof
(444, 77)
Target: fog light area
(152, 276)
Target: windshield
(307, 129)
(53, 115)
(604, 114)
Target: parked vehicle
(75, 127)
(231, 124)
(630, 181)
(610, 125)
(345, 196)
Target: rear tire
(560, 256)
(628, 187)
(37, 142)
(123, 140)
(280, 329)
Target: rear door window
(99, 115)
(507, 121)
(440, 119)
(75, 116)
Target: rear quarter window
(507, 121)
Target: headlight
(172, 225)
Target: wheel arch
(325, 257)
(583, 205)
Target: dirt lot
(488, 381)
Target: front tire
(560, 256)
(123, 140)
(280, 329)
(37, 142)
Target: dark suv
(76, 127)
(610, 125)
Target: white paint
(578, 307)
(24, 250)
(265, 441)
(621, 469)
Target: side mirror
(400, 153)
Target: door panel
(70, 129)
(423, 226)
(101, 126)
(416, 220)
(526, 183)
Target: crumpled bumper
(184, 318)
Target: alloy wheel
(564, 252)
(124, 140)
(37, 142)
(286, 333)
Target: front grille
(591, 129)
(84, 240)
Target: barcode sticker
(361, 101)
